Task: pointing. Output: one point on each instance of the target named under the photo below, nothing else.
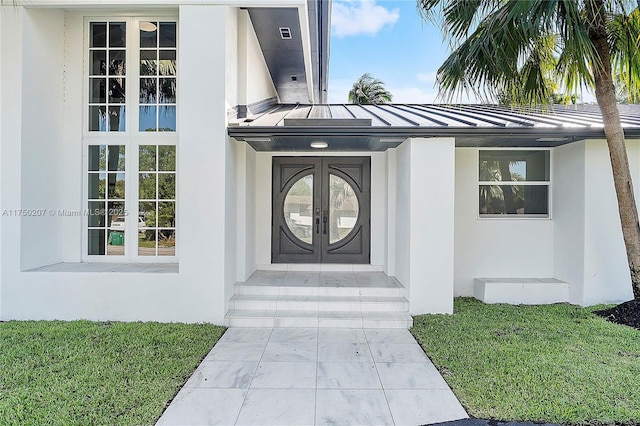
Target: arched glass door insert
(298, 209)
(343, 209)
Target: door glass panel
(298, 209)
(343, 208)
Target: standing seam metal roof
(441, 115)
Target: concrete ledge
(525, 291)
(110, 267)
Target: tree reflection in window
(514, 182)
(157, 200)
(158, 71)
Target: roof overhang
(354, 138)
(379, 127)
(298, 64)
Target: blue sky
(389, 40)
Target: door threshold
(319, 267)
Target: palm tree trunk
(605, 95)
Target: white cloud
(339, 91)
(427, 77)
(355, 17)
(413, 95)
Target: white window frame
(511, 217)
(131, 138)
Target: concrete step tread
(249, 313)
(316, 298)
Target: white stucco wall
(42, 135)
(203, 151)
(254, 82)
(606, 270)
(494, 248)
(568, 170)
(424, 231)
(402, 227)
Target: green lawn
(91, 373)
(554, 363)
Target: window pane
(147, 186)
(147, 211)
(148, 118)
(166, 242)
(147, 242)
(514, 165)
(97, 214)
(97, 157)
(115, 243)
(117, 34)
(117, 62)
(115, 209)
(167, 119)
(147, 155)
(514, 199)
(97, 90)
(98, 34)
(116, 185)
(167, 157)
(167, 62)
(148, 34)
(117, 90)
(116, 118)
(98, 60)
(97, 184)
(166, 186)
(167, 34)
(148, 62)
(167, 94)
(166, 214)
(343, 208)
(116, 158)
(298, 209)
(97, 118)
(96, 242)
(148, 91)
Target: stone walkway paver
(314, 376)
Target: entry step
(319, 299)
(333, 319)
(319, 303)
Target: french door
(321, 210)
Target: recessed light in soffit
(285, 33)
(319, 145)
(148, 27)
(257, 140)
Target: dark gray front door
(321, 209)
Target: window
(107, 76)
(514, 182)
(157, 77)
(157, 206)
(131, 140)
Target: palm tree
(369, 90)
(506, 46)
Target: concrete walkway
(314, 376)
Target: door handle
(325, 219)
(317, 225)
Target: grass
(90, 373)
(554, 363)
